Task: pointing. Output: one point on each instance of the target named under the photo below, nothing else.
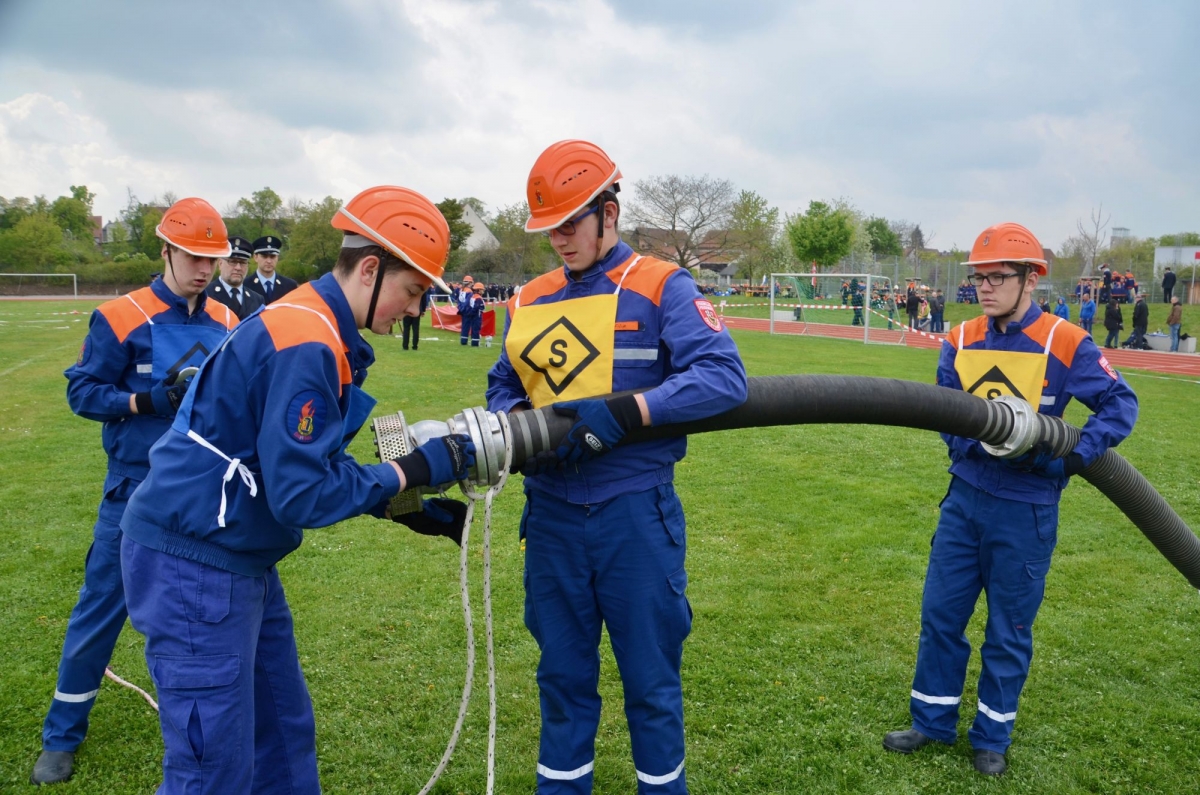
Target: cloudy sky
(952, 113)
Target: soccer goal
(840, 305)
(32, 279)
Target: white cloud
(945, 113)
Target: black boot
(990, 763)
(53, 767)
(907, 741)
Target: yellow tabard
(990, 374)
(564, 350)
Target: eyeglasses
(994, 279)
(567, 228)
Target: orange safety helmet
(193, 225)
(477, 287)
(402, 221)
(1008, 242)
(565, 179)
(468, 278)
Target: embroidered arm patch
(306, 416)
(708, 314)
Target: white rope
(473, 497)
(109, 674)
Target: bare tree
(1091, 238)
(684, 219)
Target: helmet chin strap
(375, 294)
(1020, 295)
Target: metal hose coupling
(1026, 430)
(395, 437)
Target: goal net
(39, 284)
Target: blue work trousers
(94, 626)
(234, 710)
(1003, 548)
(619, 563)
(470, 328)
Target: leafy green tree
(149, 243)
(33, 245)
(13, 210)
(314, 244)
(460, 230)
(517, 252)
(260, 213)
(1181, 239)
(821, 235)
(73, 213)
(476, 205)
(753, 229)
(884, 241)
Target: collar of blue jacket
(612, 259)
(362, 355)
(160, 289)
(1015, 326)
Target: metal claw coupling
(395, 438)
(1025, 431)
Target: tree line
(695, 221)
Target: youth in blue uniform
(256, 454)
(605, 536)
(999, 520)
(124, 378)
(470, 309)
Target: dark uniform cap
(241, 248)
(267, 245)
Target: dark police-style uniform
(270, 289)
(242, 300)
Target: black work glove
(443, 459)
(439, 517)
(1040, 460)
(600, 425)
(163, 399)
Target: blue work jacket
(282, 399)
(1075, 368)
(118, 359)
(696, 371)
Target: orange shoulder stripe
(974, 330)
(544, 285)
(129, 312)
(647, 277)
(289, 326)
(220, 313)
(1067, 337)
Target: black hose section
(806, 400)
(1117, 479)
(831, 399)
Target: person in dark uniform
(266, 282)
(229, 287)
(413, 324)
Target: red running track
(1154, 361)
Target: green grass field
(807, 555)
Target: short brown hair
(349, 258)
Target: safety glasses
(994, 279)
(567, 228)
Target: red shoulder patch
(708, 314)
(1108, 367)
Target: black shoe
(990, 763)
(53, 767)
(907, 741)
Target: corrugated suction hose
(821, 399)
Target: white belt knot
(235, 467)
